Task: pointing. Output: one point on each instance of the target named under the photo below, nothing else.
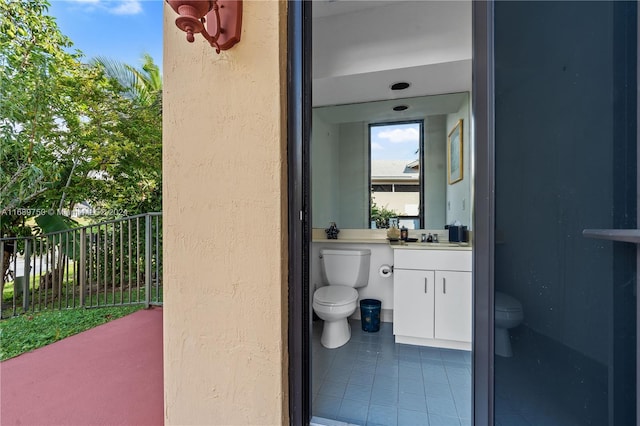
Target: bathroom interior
(411, 371)
(416, 369)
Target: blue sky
(395, 142)
(118, 29)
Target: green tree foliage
(381, 215)
(136, 179)
(70, 131)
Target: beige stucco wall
(225, 314)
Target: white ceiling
(361, 47)
(381, 111)
(324, 8)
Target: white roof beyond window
(386, 170)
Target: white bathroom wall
(324, 175)
(435, 171)
(340, 174)
(353, 194)
(458, 194)
(378, 288)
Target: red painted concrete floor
(110, 375)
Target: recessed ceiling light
(400, 108)
(401, 85)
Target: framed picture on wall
(454, 154)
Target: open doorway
(377, 64)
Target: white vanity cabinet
(432, 297)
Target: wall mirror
(349, 168)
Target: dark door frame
(483, 116)
(299, 212)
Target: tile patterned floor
(374, 381)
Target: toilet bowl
(508, 314)
(344, 270)
(333, 304)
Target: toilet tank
(346, 267)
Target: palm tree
(143, 85)
(139, 165)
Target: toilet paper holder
(385, 270)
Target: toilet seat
(505, 303)
(335, 295)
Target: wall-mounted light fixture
(223, 20)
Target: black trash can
(370, 315)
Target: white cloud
(400, 135)
(376, 146)
(115, 7)
(127, 7)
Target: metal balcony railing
(117, 262)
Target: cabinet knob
(425, 285)
(444, 285)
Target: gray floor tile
(383, 382)
(361, 378)
(326, 406)
(382, 396)
(335, 389)
(409, 371)
(438, 420)
(464, 408)
(353, 411)
(441, 406)
(358, 392)
(382, 415)
(387, 369)
(430, 353)
(371, 380)
(411, 401)
(413, 385)
(412, 418)
(366, 366)
(338, 374)
(434, 375)
(451, 355)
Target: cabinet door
(413, 303)
(453, 306)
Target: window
(395, 151)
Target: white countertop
(431, 246)
(351, 241)
(379, 236)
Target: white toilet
(508, 314)
(344, 270)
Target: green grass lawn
(30, 331)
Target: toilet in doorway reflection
(508, 314)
